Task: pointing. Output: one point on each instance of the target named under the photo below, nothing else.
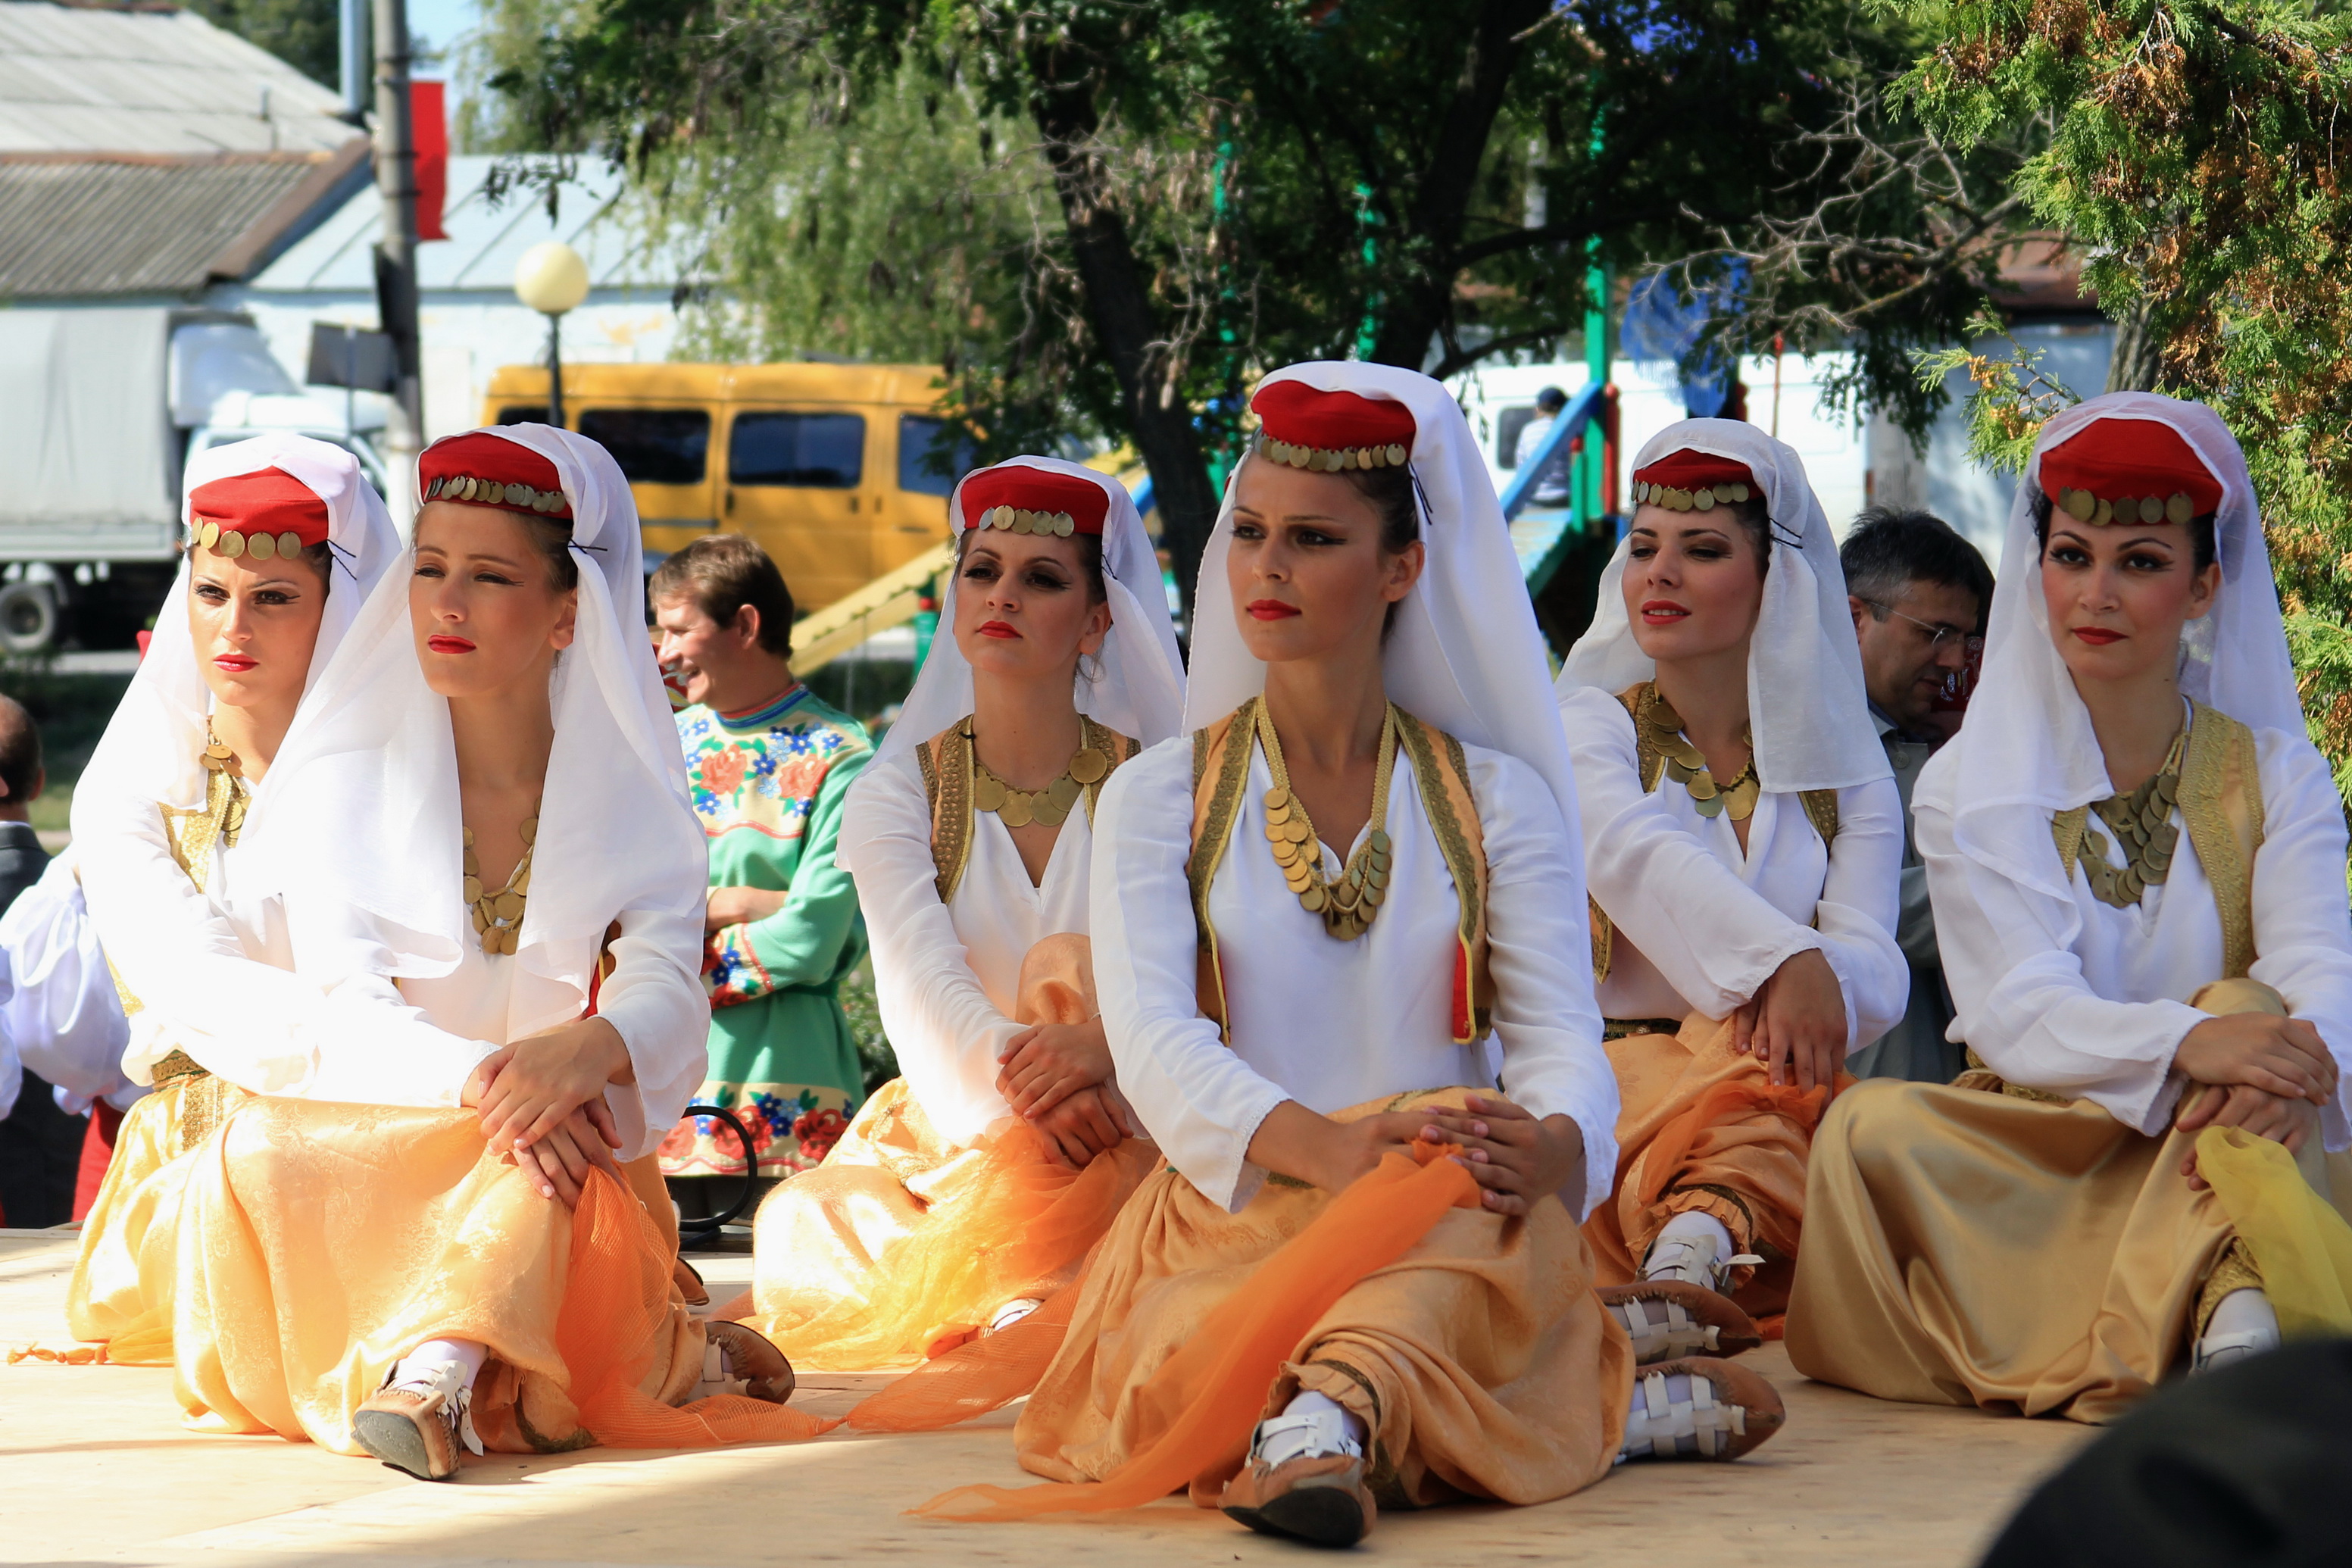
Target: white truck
(100, 408)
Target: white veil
(372, 832)
(2027, 749)
(1464, 654)
(1140, 691)
(147, 754)
(1811, 712)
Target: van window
(926, 447)
(814, 451)
(653, 445)
(523, 413)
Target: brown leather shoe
(689, 1281)
(1317, 1494)
(1670, 1318)
(752, 1359)
(411, 1428)
(1726, 1412)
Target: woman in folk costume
(1319, 920)
(972, 1186)
(1742, 843)
(286, 541)
(422, 1244)
(2136, 861)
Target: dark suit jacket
(40, 1146)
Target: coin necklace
(498, 916)
(1662, 728)
(2142, 821)
(1047, 806)
(230, 807)
(1349, 904)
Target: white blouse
(1701, 924)
(216, 973)
(947, 977)
(63, 1016)
(1332, 1024)
(2080, 998)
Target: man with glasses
(1919, 594)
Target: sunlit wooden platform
(94, 1466)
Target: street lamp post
(552, 278)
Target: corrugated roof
(77, 225)
(79, 78)
(485, 241)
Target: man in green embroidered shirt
(768, 767)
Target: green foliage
(2197, 166)
(302, 33)
(1424, 182)
(2014, 397)
(876, 1059)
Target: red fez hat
(483, 470)
(2128, 470)
(1308, 428)
(1023, 500)
(1694, 481)
(266, 513)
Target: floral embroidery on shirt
(761, 776)
(731, 970)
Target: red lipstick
(448, 645)
(1662, 612)
(234, 663)
(997, 629)
(2098, 636)
(1270, 610)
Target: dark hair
(1390, 491)
(1893, 547)
(553, 537)
(20, 751)
(722, 573)
(2203, 548)
(1090, 560)
(1551, 400)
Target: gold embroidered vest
(1821, 809)
(1221, 758)
(945, 763)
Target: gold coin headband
(1021, 519)
(1706, 498)
(490, 492)
(2099, 512)
(259, 544)
(1331, 460)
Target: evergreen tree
(302, 33)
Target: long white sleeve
(2077, 999)
(942, 1025)
(65, 1019)
(654, 999)
(1713, 936)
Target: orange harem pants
(1704, 1128)
(900, 1243)
(1480, 1361)
(319, 1243)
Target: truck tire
(28, 618)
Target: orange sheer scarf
(1217, 1384)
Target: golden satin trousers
(1480, 1361)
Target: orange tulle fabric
(616, 1296)
(1216, 1384)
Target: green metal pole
(1593, 501)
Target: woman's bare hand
(1517, 1159)
(2260, 1050)
(1085, 1124)
(2288, 1119)
(559, 1163)
(1799, 1022)
(1047, 1063)
(539, 1081)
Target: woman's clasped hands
(542, 1104)
(1058, 1079)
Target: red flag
(430, 129)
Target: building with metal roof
(469, 317)
(142, 76)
